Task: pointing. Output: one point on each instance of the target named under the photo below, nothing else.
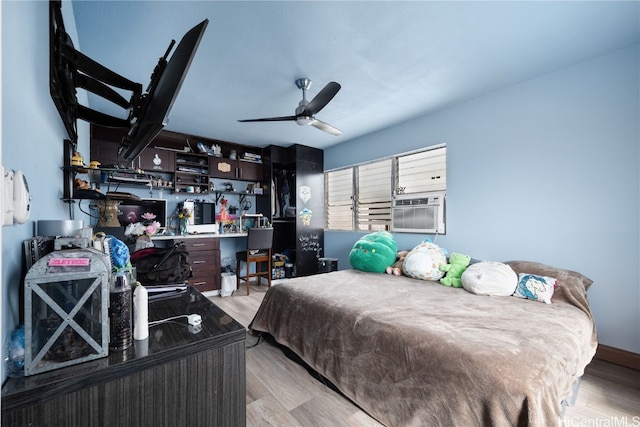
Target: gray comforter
(411, 352)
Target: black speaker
(326, 265)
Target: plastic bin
(228, 284)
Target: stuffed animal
(81, 184)
(396, 268)
(374, 252)
(424, 261)
(458, 263)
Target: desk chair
(259, 252)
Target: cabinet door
(250, 171)
(104, 144)
(106, 152)
(153, 159)
(223, 168)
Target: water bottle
(141, 310)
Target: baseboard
(618, 356)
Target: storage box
(66, 310)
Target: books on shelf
(252, 157)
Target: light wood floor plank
(282, 393)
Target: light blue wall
(547, 171)
(32, 135)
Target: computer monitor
(131, 211)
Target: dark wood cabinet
(235, 169)
(166, 154)
(297, 207)
(223, 168)
(104, 147)
(180, 375)
(156, 160)
(249, 171)
(204, 256)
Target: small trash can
(326, 265)
(228, 285)
(288, 270)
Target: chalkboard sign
(309, 242)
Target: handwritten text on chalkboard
(309, 242)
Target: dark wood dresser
(181, 376)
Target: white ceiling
(395, 60)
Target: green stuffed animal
(374, 252)
(458, 263)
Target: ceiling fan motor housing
(306, 110)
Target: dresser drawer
(204, 257)
(204, 262)
(208, 281)
(197, 245)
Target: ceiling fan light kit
(304, 120)
(306, 110)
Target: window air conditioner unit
(418, 213)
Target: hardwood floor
(282, 393)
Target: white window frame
(372, 212)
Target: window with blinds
(361, 197)
(339, 199)
(422, 172)
(373, 200)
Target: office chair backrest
(259, 238)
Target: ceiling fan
(306, 111)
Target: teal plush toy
(374, 252)
(458, 263)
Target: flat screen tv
(131, 211)
(148, 118)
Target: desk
(178, 377)
(205, 255)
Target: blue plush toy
(120, 256)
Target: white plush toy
(424, 261)
(490, 278)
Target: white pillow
(490, 278)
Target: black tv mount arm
(70, 70)
(147, 112)
(140, 103)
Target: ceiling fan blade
(321, 99)
(326, 127)
(271, 119)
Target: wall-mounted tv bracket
(70, 69)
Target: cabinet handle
(199, 283)
(198, 244)
(199, 262)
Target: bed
(412, 352)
